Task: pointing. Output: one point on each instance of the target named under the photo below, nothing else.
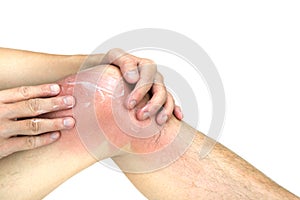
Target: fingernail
(54, 136)
(164, 118)
(69, 101)
(54, 88)
(146, 115)
(132, 74)
(132, 104)
(68, 122)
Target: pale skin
(221, 175)
(21, 106)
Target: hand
(18, 130)
(143, 73)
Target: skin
(221, 175)
(17, 132)
(56, 162)
(20, 107)
(26, 68)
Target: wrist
(91, 60)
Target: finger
(28, 92)
(166, 112)
(37, 126)
(16, 144)
(157, 101)
(148, 71)
(178, 112)
(127, 63)
(143, 102)
(35, 107)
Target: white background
(254, 44)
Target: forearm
(221, 175)
(33, 174)
(18, 68)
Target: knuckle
(2, 131)
(147, 61)
(161, 97)
(31, 142)
(126, 60)
(161, 91)
(142, 89)
(146, 78)
(159, 78)
(114, 54)
(169, 95)
(58, 102)
(34, 105)
(4, 110)
(57, 125)
(6, 149)
(171, 98)
(168, 114)
(149, 79)
(34, 126)
(165, 98)
(25, 91)
(164, 90)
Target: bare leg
(222, 175)
(35, 173)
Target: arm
(18, 105)
(35, 173)
(19, 68)
(23, 68)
